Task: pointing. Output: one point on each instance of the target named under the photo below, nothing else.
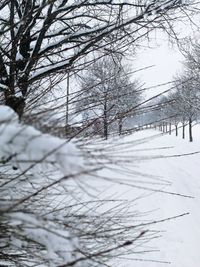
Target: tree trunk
(17, 104)
(105, 121)
(190, 130)
(170, 128)
(120, 126)
(166, 127)
(183, 131)
(176, 126)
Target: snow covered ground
(149, 187)
(161, 178)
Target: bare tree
(42, 38)
(107, 93)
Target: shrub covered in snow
(34, 169)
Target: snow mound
(7, 115)
(27, 147)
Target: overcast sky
(167, 61)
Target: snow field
(161, 180)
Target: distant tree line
(181, 106)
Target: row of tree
(181, 106)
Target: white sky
(167, 61)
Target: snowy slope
(158, 163)
(180, 245)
